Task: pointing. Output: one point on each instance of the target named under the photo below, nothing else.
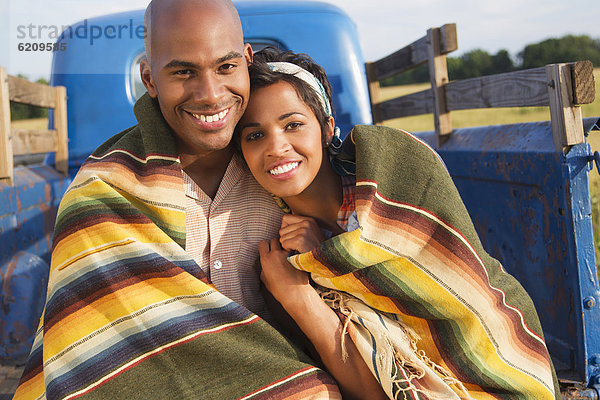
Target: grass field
(466, 118)
(37, 123)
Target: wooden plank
(567, 128)
(438, 75)
(6, 154)
(374, 92)
(36, 94)
(402, 60)
(60, 125)
(414, 54)
(527, 88)
(449, 38)
(406, 106)
(584, 88)
(29, 141)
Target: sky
(383, 25)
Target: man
(198, 72)
(156, 218)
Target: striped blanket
(444, 320)
(129, 314)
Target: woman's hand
(320, 324)
(300, 233)
(285, 282)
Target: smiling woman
(283, 143)
(402, 274)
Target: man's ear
(147, 80)
(248, 53)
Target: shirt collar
(236, 169)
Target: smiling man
(197, 68)
(152, 291)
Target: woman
(430, 314)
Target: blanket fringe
(412, 371)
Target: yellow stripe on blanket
(117, 305)
(93, 240)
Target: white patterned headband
(304, 75)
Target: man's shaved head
(159, 8)
(196, 66)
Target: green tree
(479, 62)
(502, 62)
(566, 49)
(476, 63)
(416, 75)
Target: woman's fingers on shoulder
(298, 243)
(300, 227)
(275, 244)
(291, 219)
(263, 247)
(268, 246)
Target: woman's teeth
(211, 118)
(282, 169)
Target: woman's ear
(329, 131)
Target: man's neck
(207, 170)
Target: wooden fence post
(27, 141)
(566, 118)
(374, 92)
(438, 74)
(60, 126)
(6, 151)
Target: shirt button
(217, 264)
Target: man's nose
(208, 89)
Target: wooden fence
(562, 87)
(25, 141)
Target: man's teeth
(283, 168)
(211, 118)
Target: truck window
(136, 87)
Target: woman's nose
(278, 145)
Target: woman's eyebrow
(249, 125)
(281, 118)
(287, 115)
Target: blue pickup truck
(525, 185)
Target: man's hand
(299, 233)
